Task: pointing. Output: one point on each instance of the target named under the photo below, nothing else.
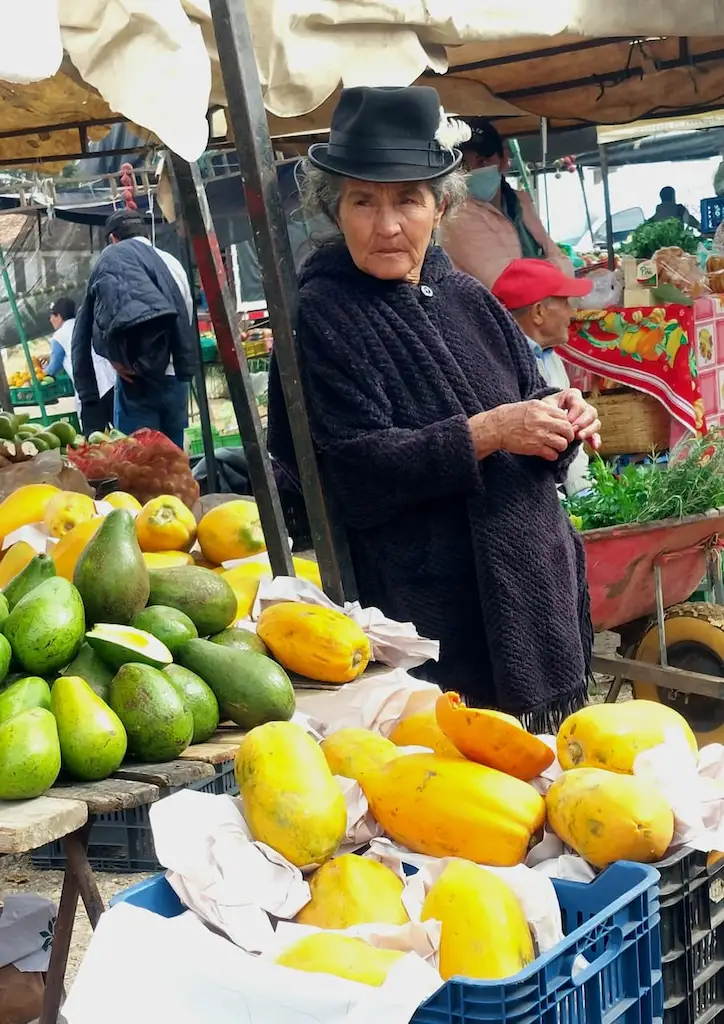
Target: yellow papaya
(492, 738)
(484, 931)
(422, 730)
(351, 890)
(605, 816)
(352, 752)
(611, 736)
(319, 643)
(14, 560)
(353, 959)
(448, 807)
(291, 800)
(25, 506)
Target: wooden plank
(211, 753)
(27, 824)
(171, 775)
(107, 796)
(658, 675)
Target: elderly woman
(437, 438)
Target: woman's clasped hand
(543, 427)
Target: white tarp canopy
(154, 62)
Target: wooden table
(66, 813)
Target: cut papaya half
(121, 645)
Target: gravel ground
(17, 874)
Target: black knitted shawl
(479, 555)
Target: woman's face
(388, 226)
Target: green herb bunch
(650, 236)
(691, 484)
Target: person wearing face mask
(538, 296)
(497, 224)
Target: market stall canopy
(83, 64)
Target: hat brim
(387, 173)
(574, 288)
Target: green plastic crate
(62, 387)
(194, 442)
(58, 417)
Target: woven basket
(631, 423)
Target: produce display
(20, 439)
(692, 483)
(104, 658)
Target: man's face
(55, 321)
(553, 318)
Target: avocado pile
(122, 663)
(18, 435)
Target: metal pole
(6, 403)
(607, 206)
(660, 615)
(201, 396)
(23, 338)
(263, 200)
(200, 229)
(582, 180)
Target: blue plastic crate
(613, 922)
(712, 214)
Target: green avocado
(29, 754)
(92, 737)
(46, 627)
(118, 645)
(37, 571)
(31, 692)
(158, 724)
(91, 667)
(168, 625)
(250, 688)
(199, 699)
(241, 639)
(203, 595)
(111, 574)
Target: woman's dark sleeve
(532, 385)
(374, 468)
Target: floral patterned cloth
(649, 349)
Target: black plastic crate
(692, 936)
(122, 841)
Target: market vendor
(539, 295)
(437, 439)
(496, 224)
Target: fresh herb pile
(692, 483)
(650, 236)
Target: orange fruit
(165, 524)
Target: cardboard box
(637, 297)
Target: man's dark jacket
(135, 316)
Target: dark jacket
(135, 316)
(479, 555)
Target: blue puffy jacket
(135, 316)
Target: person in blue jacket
(137, 313)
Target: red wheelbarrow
(640, 577)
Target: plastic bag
(674, 266)
(44, 468)
(145, 465)
(607, 289)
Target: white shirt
(553, 372)
(179, 275)
(105, 374)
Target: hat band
(345, 146)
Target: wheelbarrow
(640, 578)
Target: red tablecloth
(652, 349)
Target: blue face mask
(484, 183)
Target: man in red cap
(538, 295)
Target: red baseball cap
(524, 282)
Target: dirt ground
(17, 874)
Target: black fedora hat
(390, 134)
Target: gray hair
(321, 191)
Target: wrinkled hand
(582, 416)
(523, 428)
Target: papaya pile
(469, 800)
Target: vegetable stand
(640, 570)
